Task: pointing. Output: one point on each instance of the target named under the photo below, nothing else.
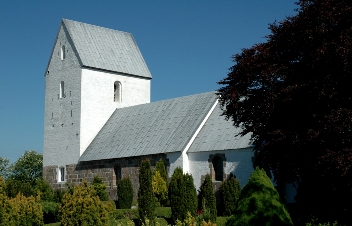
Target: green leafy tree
(259, 203)
(229, 193)
(292, 92)
(100, 188)
(159, 188)
(146, 198)
(208, 199)
(28, 168)
(182, 195)
(4, 164)
(160, 166)
(83, 207)
(124, 193)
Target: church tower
(91, 72)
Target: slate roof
(106, 49)
(219, 134)
(158, 127)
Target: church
(99, 119)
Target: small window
(62, 89)
(62, 53)
(117, 92)
(61, 174)
(218, 168)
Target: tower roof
(107, 49)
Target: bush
(124, 193)
(146, 198)
(159, 188)
(13, 187)
(58, 195)
(83, 207)
(100, 188)
(229, 194)
(22, 210)
(207, 199)
(130, 214)
(182, 195)
(50, 212)
(46, 192)
(259, 203)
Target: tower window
(117, 92)
(62, 52)
(62, 89)
(61, 174)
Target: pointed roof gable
(107, 49)
(159, 127)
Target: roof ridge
(64, 19)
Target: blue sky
(187, 46)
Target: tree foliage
(259, 204)
(4, 163)
(83, 207)
(159, 187)
(100, 188)
(160, 166)
(292, 92)
(146, 198)
(229, 193)
(208, 199)
(124, 193)
(182, 195)
(28, 167)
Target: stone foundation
(109, 170)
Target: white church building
(99, 119)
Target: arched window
(61, 174)
(62, 52)
(62, 89)
(117, 92)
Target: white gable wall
(238, 162)
(97, 103)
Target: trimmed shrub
(259, 203)
(100, 188)
(124, 193)
(182, 195)
(207, 199)
(146, 198)
(229, 194)
(159, 188)
(191, 202)
(83, 207)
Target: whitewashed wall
(238, 162)
(175, 160)
(97, 100)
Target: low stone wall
(109, 170)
